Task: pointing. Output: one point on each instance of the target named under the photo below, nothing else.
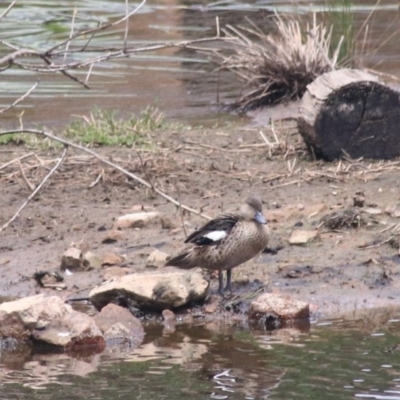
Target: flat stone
(156, 259)
(169, 288)
(300, 237)
(72, 260)
(136, 220)
(278, 306)
(112, 236)
(112, 259)
(119, 325)
(75, 330)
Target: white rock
(71, 332)
(136, 220)
(169, 288)
(36, 311)
(156, 259)
(279, 306)
(299, 237)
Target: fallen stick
(111, 164)
(15, 160)
(36, 190)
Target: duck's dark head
(252, 210)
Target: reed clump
(277, 66)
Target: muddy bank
(343, 269)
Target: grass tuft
(107, 128)
(278, 67)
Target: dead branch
(33, 194)
(111, 164)
(53, 59)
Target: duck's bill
(260, 218)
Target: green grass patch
(101, 128)
(107, 128)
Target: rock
(275, 306)
(169, 322)
(359, 200)
(72, 331)
(166, 223)
(136, 220)
(372, 211)
(112, 237)
(169, 288)
(49, 279)
(168, 315)
(115, 272)
(72, 260)
(299, 237)
(12, 326)
(112, 259)
(212, 305)
(34, 312)
(91, 260)
(156, 259)
(119, 326)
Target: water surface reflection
(332, 359)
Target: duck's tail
(182, 260)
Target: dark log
(349, 112)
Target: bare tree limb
(33, 194)
(108, 162)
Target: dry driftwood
(350, 113)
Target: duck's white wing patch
(215, 236)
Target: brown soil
(345, 269)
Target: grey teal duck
(226, 242)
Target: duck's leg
(220, 282)
(228, 287)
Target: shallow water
(180, 82)
(327, 359)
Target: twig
(126, 24)
(7, 10)
(180, 210)
(28, 183)
(98, 29)
(23, 97)
(111, 164)
(60, 160)
(16, 160)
